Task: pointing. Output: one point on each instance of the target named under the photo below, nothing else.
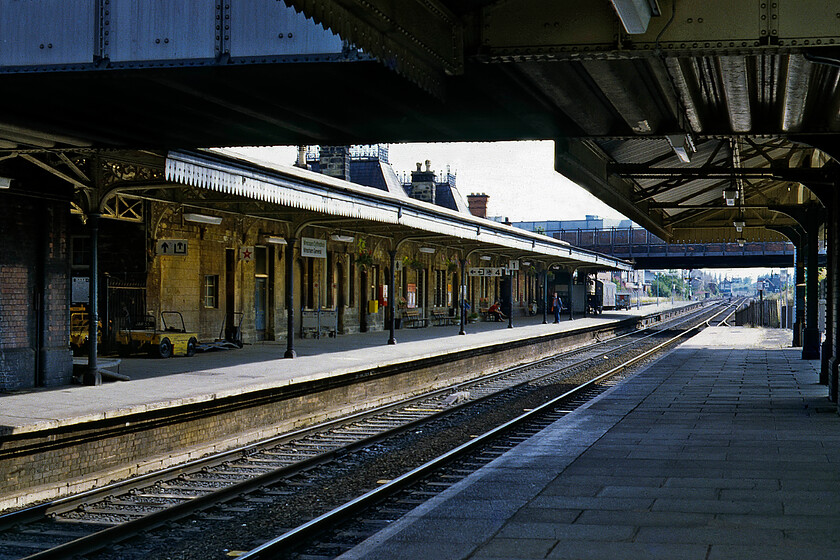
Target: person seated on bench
(495, 312)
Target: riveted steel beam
(420, 39)
(540, 29)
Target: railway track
(272, 469)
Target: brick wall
(33, 257)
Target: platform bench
(443, 318)
(411, 318)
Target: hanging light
(427, 250)
(739, 225)
(729, 195)
(274, 240)
(741, 241)
(486, 258)
(342, 238)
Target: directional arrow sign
(177, 247)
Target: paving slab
(721, 449)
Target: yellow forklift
(143, 335)
(80, 330)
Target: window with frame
(211, 291)
(80, 251)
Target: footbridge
(647, 251)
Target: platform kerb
(73, 456)
(724, 448)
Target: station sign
(486, 271)
(81, 289)
(170, 247)
(311, 247)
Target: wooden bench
(483, 311)
(444, 318)
(411, 318)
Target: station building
(228, 246)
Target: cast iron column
(462, 291)
(92, 376)
(799, 293)
(571, 295)
(290, 298)
(834, 289)
(825, 351)
(811, 338)
(510, 300)
(545, 296)
(391, 297)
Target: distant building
(554, 228)
(369, 166)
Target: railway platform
(177, 409)
(156, 383)
(724, 448)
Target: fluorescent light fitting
(486, 258)
(526, 263)
(274, 240)
(634, 15)
(730, 195)
(203, 219)
(5, 182)
(342, 238)
(428, 250)
(682, 145)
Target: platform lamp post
(462, 290)
(92, 375)
(290, 298)
(510, 297)
(657, 288)
(545, 294)
(392, 339)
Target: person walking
(556, 306)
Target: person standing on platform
(556, 306)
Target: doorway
(363, 299)
(260, 291)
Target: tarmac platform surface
(724, 448)
(157, 383)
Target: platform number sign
(171, 247)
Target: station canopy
(228, 182)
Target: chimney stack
(478, 204)
(423, 183)
(335, 161)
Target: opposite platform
(725, 448)
(156, 384)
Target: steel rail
(104, 537)
(69, 503)
(270, 549)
